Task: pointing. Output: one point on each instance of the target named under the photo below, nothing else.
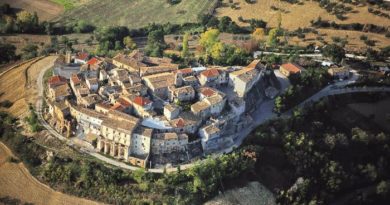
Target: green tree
(185, 49)
(334, 52)
(129, 43)
(7, 52)
(272, 37)
(30, 51)
(27, 22)
(155, 44)
(208, 39)
(383, 188)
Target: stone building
(168, 142)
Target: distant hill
(297, 14)
(137, 13)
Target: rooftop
(57, 79)
(141, 101)
(210, 73)
(160, 80)
(292, 68)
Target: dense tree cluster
(216, 52)
(331, 162)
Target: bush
(6, 104)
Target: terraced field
(137, 13)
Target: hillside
(45, 9)
(300, 15)
(17, 183)
(297, 15)
(137, 13)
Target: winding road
(259, 116)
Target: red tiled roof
(180, 123)
(141, 101)
(185, 70)
(93, 61)
(210, 73)
(117, 106)
(82, 56)
(292, 68)
(55, 80)
(207, 92)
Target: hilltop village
(148, 112)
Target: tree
(185, 51)
(334, 52)
(258, 34)
(30, 51)
(272, 37)
(129, 43)
(83, 27)
(26, 21)
(383, 188)
(155, 44)
(7, 52)
(118, 45)
(278, 104)
(9, 25)
(208, 39)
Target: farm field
(46, 10)
(17, 183)
(22, 82)
(137, 13)
(353, 37)
(294, 15)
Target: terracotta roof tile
(56, 80)
(207, 92)
(210, 73)
(292, 68)
(93, 61)
(141, 101)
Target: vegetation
(323, 159)
(334, 52)
(7, 53)
(156, 44)
(67, 4)
(29, 51)
(303, 86)
(145, 11)
(32, 120)
(219, 53)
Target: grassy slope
(137, 13)
(296, 16)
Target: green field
(137, 13)
(68, 4)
